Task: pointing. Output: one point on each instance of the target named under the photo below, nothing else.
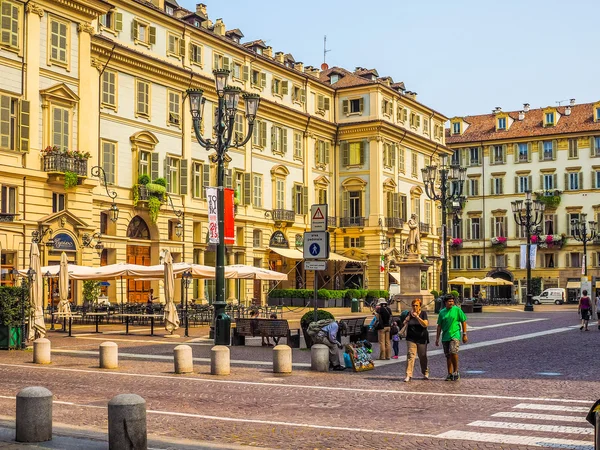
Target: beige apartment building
(92, 84)
(554, 152)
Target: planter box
(339, 302)
(286, 301)
(298, 301)
(346, 302)
(274, 301)
(10, 337)
(325, 303)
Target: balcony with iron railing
(394, 222)
(284, 215)
(7, 217)
(348, 222)
(425, 228)
(61, 163)
(331, 222)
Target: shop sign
(278, 240)
(64, 243)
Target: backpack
(394, 330)
(314, 327)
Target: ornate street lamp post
(186, 278)
(444, 184)
(529, 215)
(581, 233)
(228, 98)
(99, 172)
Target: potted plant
(498, 242)
(91, 292)
(11, 307)
(307, 318)
(456, 243)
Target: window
(595, 143)
(61, 127)
(573, 150)
(549, 260)
(298, 146)
(414, 164)
(240, 72)
(321, 153)
(502, 123)
(475, 262)
(14, 123)
(9, 200)
(279, 87)
(596, 179)
(238, 133)
(7, 264)
(353, 106)
(498, 154)
(387, 107)
(401, 160)
(223, 62)
(279, 193)
(175, 45)
(196, 54)
(473, 187)
(456, 128)
(109, 89)
(353, 153)
(523, 184)
(415, 120)
(457, 229)
(258, 79)
(497, 186)
(321, 196)
(499, 224)
(259, 134)
(416, 206)
(58, 202)
(142, 104)
(354, 242)
(323, 103)
(256, 238)
(112, 21)
(174, 116)
(574, 181)
(455, 157)
(300, 199)
(172, 171)
(549, 182)
(403, 207)
(523, 149)
(426, 125)
(278, 139)
(197, 186)
(475, 228)
(59, 37)
(570, 218)
(549, 119)
(109, 156)
(597, 114)
(169, 10)
(354, 204)
(298, 95)
(257, 184)
(549, 224)
(474, 156)
(548, 149)
(9, 24)
(143, 33)
(144, 163)
(389, 155)
(574, 259)
(456, 262)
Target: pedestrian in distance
(585, 309)
(384, 319)
(450, 321)
(395, 335)
(417, 338)
(598, 309)
(325, 332)
(255, 326)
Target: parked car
(552, 295)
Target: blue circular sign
(314, 249)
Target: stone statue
(413, 243)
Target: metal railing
(63, 163)
(394, 222)
(352, 222)
(425, 227)
(7, 217)
(331, 221)
(284, 215)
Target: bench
(273, 328)
(354, 328)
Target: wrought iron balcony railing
(63, 163)
(331, 222)
(394, 222)
(284, 215)
(346, 222)
(425, 228)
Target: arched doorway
(500, 292)
(139, 253)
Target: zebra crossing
(540, 424)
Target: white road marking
(301, 386)
(505, 324)
(532, 427)
(532, 441)
(549, 374)
(552, 407)
(145, 341)
(534, 416)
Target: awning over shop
(573, 284)
(395, 276)
(290, 253)
(341, 258)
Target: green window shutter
(285, 88)
(580, 180)
(166, 174)
(593, 179)
(245, 73)
(118, 22)
(361, 241)
(5, 121)
(320, 102)
(362, 153)
(326, 104)
(542, 181)
(273, 137)
(530, 183)
(346, 106)
(263, 79)
(304, 200)
(516, 185)
(134, 30)
(263, 134)
(247, 188)
(205, 179)
(555, 223)
(345, 203)
(346, 242)
(393, 155)
(215, 61)
(294, 198)
(492, 186)
(154, 166)
(345, 154)
(226, 62)
(284, 138)
(468, 230)
(540, 151)
(529, 149)
(182, 47)
(568, 260)
(361, 104)
(554, 148)
(395, 204)
(183, 177)
(566, 182)
(327, 148)
(555, 181)
(302, 95)
(317, 152)
(152, 35)
(273, 86)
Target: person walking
(394, 333)
(585, 309)
(417, 338)
(384, 318)
(598, 309)
(450, 320)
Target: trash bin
(593, 418)
(223, 329)
(354, 305)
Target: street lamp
(228, 98)
(87, 240)
(186, 279)
(445, 185)
(37, 236)
(113, 212)
(581, 233)
(528, 214)
(31, 275)
(179, 214)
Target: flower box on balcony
(550, 198)
(549, 240)
(456, 243)
(498, 242)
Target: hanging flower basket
(456, 243)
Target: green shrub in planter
(324, 294)
(143, 179)
(161, 181)
(435, 293)
(11, 298)
(454, 294)
(308, 317)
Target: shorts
(451, 347)
(585, 314)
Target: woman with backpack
(384, 319)
(417, 338)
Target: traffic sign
(315, 265)
(318, 217)
(316, 245)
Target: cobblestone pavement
(528, 380)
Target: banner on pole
(213, 215)
(583, 263)
(229, 216)
(532, 256)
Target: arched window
(138, 229)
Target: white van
(552, 295)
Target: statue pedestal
(410, 284)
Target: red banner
(229, 217)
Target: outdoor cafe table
(141, 316)
(96, 316)
(65, 317)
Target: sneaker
(407, 379)
(581, 328)
(396, 356)
(450, 377)
(456, 376)
(338, 368)
(426, 375)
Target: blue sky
(462, 57)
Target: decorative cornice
(34, 8)
(91, 8)
(95, 62)
(87, 28)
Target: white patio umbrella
(461, 281)
(64, 308)
(171, 317)
(254, 273)
(37, 327)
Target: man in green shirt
(449, 323)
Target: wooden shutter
(245, 73)
(294, 198)
(304, 200)
(361, 241)
(302, 95)
(152, 35)
(362, 153)
(228, 178)
(226, 62)
(555, 223)
(529, 183)
(5, 121)
(181, 47)
(327, 149)
(345, 203)
(263, 134)
(594, 259)
(284, 138)
(215, 61)
(580, 180)
(566, 181)
(320, 102)
(247, 188)
(529, 152)
(361, 104)
(166, 173)
(134, 30)
(492, 228)
(542, 181)
(505, 226)
(326, 104)
(395, 204)
(516, 185)
(567, 260)
(346, 242)
(345, 153)
(273, 137)
(554, 149)
(555, 181)
(285, 88)
(183, 177)
(492, 186)
(205, 179)
(346, 107)
(468, 230)
(154, 166)
(593, 183)
(504, 152)
(118, 21)
(317, 157)
(393, 155)
(263, 79)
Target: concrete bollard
(41, 351)
(219, 360)
(282, 359)
(34, 415)
(183, 359)
(319, 358)
(127, 423)
(109, 355)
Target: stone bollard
(34, 415)
(109, 355)
(282, 359)
(127, 423)
(183, 359)
(41, 351)
(319, 358)
(219, 360)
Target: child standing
(395, 334)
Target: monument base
(410, 284)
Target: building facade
(554, 153)
(107, 87)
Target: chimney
(308, 69)
(521, 115)
(268, 52)
(526, 107)
(315, 72)
(208, 23)
(201, 9)
(411, 94)
(279, 57)
(572, 102)
(567, 111)
(219, 27)
(299, 66)
(497, 110)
